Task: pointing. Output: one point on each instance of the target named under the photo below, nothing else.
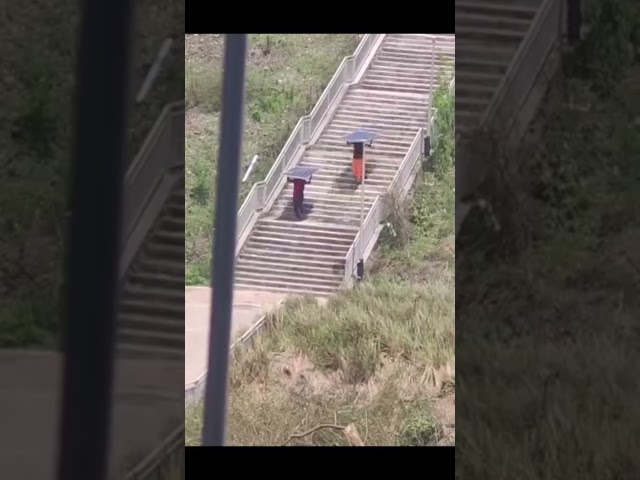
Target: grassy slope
(36, 78)
(549, 333)
(380, 356)
(286, 75)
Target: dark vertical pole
(574, 20)
(94, 238)
(215, 409)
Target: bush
(420, 428)
(444, 144)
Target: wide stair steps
(488, 34)
(151, 314)
(391, 100)
(299, 257)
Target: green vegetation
(423, 232)
(548, 306)
(375, 364)
(37, 80)
(286, 75)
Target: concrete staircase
(391, 99)
(151, 315)
(488, 35)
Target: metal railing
(156, 461)
(399, 187)
(162, 150)
(380, 208)
(375, 215)
(530, 57)
(263, 193)
(515, 87)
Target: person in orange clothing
(357, 165)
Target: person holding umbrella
(359, 139)
(300, 177)
(298, 196)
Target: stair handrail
(262, 191)
(399, 186)
(145, 157)
(150, 464)
(545, 30)
(380, 208)
(513, 90)
(160, 151)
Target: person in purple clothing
(299, 176)
(298, 197)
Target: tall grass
(354, 330)
(374, 356)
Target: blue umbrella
(361, 136)
(303, 173)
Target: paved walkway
(248, 307)
(148, 406)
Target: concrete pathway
(248, 307)
(148, 406)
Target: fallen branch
(314, 429)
